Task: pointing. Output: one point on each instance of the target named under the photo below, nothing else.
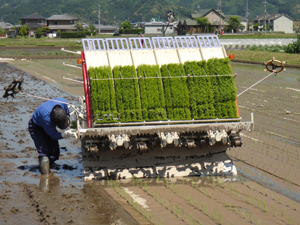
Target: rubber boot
(44, 165)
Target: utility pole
(99, 17)
(220, 5)
(114, 20)
(247, 14)
(265, 15)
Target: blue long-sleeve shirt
(42, 118)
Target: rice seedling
(219, 218)
(250, 217)
(295, 206)
(182, 215)
(202, 206)
(229, 206)
(180, 192)
(213, 214)
(190, 219)
(150, 216)
(190, 200)
(258, 222)
(282, 215)
(195, 204)
(265, 206)
(290, 221)
(177, 212)
(279, 201)
(243, 213)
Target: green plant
(265, 206)
(219, 218)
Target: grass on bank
(259, 56)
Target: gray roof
(34, 25)
(271, 17)
(204, 12)
(65, 16)
(241, 18)
(33, 16)
(4, 25)
(62, 27)
(189, 22)
(102, 27)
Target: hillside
(134, 10)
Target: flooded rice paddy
(266, 190)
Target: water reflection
(48, 183)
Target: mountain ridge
(116, 11)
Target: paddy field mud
(266, 190)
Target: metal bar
(77, 52)
(180, 128)
(70, 65)
(162, 77)
(48, 99)
(86, 91)
(168, 122)
(66, 78)
(255, 84)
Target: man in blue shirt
(42, 128)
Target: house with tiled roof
(5, 26)
(277, 22)
(63, 23)
(215, 17)
(33, 18)
(34, 22)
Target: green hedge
(176, 92)
(79, 34)
(151, 92)
(103, 95)
(131, 31)
(127, 94)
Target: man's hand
(68, 134)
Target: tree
(255, 26)
(23, 31)
(203, 23)
(234, 23)
(46, 29)
(2, 31)
(126, 25)
(39, 32)
(58, 33)
(78, 25)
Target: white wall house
(283, 23)
(158, 27)
(277, 22)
